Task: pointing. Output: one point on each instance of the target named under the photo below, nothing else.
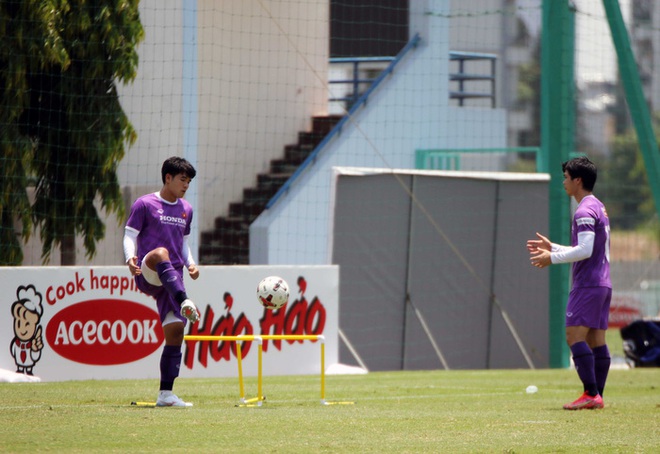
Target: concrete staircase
(228, 242)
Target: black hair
(177, 165)
(582, 167)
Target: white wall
(153, 101)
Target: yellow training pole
(260, 394)
(322, 373)
(290, 336)
(250, 337)
(240, 371)
(199, 337)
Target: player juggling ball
(156, 250)
(588, 307)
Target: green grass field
(434, 411)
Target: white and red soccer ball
(273, 292)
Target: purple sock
(171, 280)
(583, 358)
(170, 362)
(602, 363)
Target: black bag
(641, 343)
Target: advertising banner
(78, 323)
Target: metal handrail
(422, 157)
(355, 81)
(462, 77)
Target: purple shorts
(589, 306)
(164, 301)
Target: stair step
(282, 166)
(296, 154)
(231, 223)
(224, 250)
(256, 195)
(233, 238)
(236, 238)
(309, 138)
(324, 124)
(248, 211)
(269, 180)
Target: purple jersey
(161, 224)
(594, 271)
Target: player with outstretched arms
(588, 306)
(156, 251)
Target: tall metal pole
(557, 139)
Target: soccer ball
(273, 292)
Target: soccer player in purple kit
(156, 250)
(588, 306)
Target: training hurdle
(258, 401)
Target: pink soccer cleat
(585, 402)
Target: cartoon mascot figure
(27, 343)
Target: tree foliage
(62, 127)
(625, 183)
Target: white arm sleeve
(130, 243)
(583, 250)
(186, 252)
(559, 248)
